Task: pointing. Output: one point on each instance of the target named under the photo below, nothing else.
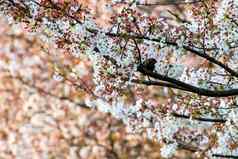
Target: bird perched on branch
(148, 64)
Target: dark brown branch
(158, 83)
(198, 118)
(188, 87)
(225, 156)
(138, 50)
(212, 60)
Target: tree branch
(199, 118)
(158, 83)
(169, 2)
(225, 156)
(188, 87)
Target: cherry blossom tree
(173, 78)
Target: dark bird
(149, 64)
(96, 49)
